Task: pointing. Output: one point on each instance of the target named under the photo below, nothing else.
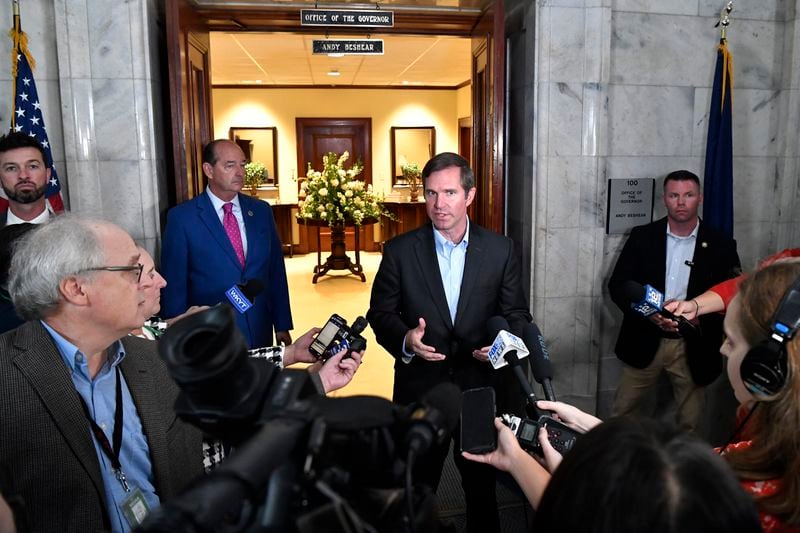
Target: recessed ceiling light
(333, 73)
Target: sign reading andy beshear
(363, 47)
(373, 18)
(630, 203)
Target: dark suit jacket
(199, 264)
(643, 259)
(46, 440)
(408, 286)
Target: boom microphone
(498, 326)
(646, 300)
(539, 359)
(435, 418)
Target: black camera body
(561, 436)
(336, 335)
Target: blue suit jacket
(199, 264)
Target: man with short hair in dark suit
(680, 257)
(222, 238)
(87, 427)
(436, 288)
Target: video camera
(336, 335)
(301, 462)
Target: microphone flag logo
(238, 300)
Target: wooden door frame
(226, 18)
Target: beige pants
(636, 383)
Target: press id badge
(135, 508)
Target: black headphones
(764, 367)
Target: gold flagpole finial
(724, 20)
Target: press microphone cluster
(560, 436)
(646, 301)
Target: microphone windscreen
(495, 324)
(540, 357)
(252, 288)
(633, 291)
(445, 398)
(358, 325)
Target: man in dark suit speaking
(87, 428)
(436, 288)
(680, 257)
(221, 239)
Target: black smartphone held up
(478, 434)
(327, 336)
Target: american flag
(27, 118)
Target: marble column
(108, 69)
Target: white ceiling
(249, 58)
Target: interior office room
(590, 91)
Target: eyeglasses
(130, 268)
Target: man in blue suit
(222, 238)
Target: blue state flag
(718, 181)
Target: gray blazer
(46, 442)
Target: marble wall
(621, 90)
(98, 76)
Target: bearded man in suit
(87, 427)
(222, 238)
(436, 288)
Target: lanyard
(111, 452)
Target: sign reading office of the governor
(630, 203)
(372, 18)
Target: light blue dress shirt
(451, 258)
(680, 251)
(100, 397)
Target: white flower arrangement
(335, 196)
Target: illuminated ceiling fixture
(333, 72)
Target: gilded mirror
(410, 144)
(259, 144)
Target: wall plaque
(630, 203)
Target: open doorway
(259, 58)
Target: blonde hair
(775, 426)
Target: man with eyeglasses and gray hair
(87, 427)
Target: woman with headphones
(764, 370)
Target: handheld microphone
(647, 300)
(504, 343)
(539, 359)
(498, 326)
(435, 418)
(242, 297)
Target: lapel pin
(250, 213)
(704, 244)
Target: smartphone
(327, 335)
(478, 434)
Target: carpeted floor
(346, 295)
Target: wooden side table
(338, 260)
